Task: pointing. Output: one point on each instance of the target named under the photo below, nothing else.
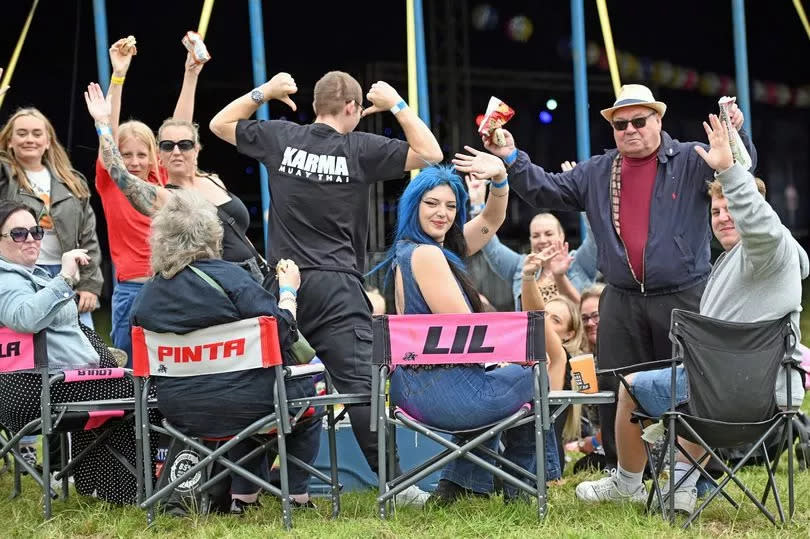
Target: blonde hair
(574, 345)
(184, 230)
(333, 91)
(55, 157)
(540, 216)
(715, 188)
(593, 291)
(140, 132)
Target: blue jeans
(653, 389)
(123, 297)
(462, 398)
(54, 269)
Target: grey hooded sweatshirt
(760, 278)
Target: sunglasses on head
(638, 123)
(168, 145)
(20, 234)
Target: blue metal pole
(580, 90)
(421, 62)
(260, 77)
(741, 61)
(102, 43)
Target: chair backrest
(236, 346)
(22, 351)
(731, 366)
(440, 339)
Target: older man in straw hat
(647, 205)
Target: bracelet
(117, 80)
(501, 184)
(399, 106)
(103, 130)
(289, 289)
(510, 159)
(497, 195)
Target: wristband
(103, 130)
(510, 159)
(289, 289)
(596, 445)
(117, 80)
(501, 184)
(399, 106)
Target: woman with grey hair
(193, 288)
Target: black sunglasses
(20, 234)
(168, 145)
(638, 123)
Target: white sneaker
(29, 453)
(685, 498)
(607, 490)
(412, 495)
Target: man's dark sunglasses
(638, 123)
(20, 234)
(168, 145)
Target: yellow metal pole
(16, 54)
(601, 6)
(802, 16)
(205, 16)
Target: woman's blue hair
(408, 227)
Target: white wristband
(399, 106)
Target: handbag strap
(208, 279)
(226, 218)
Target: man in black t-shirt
(320, 176)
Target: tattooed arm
(144, 197)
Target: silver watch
(257, 96)
(71, 282)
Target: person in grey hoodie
(758, 277)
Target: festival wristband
(500, 184)
(289, 289)
(595, 443)
(399, 106)
(103, 130)
(511, 158)
(117, 80)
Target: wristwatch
(257, 96)
(71, 282)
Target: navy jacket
(676, 256)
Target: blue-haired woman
(433, 237)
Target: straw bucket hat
(632, 95)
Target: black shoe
(309, 504)
(447, 493)
(238, 507)
(518, 497)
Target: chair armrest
(297, 371)
(646, 366)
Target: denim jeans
(653, 389)
(54, 269)
(124, 295)
(461, 398)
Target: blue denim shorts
(652, 389)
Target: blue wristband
(509, 159)
(289, 289)
(500, 184)
(399, 106)
(104, 130)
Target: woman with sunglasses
(35, 170)
(32, 301)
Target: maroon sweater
(638, 178)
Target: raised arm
(280, 87)
(120, 57)
(424, 148)
(144, 197)
(482, 166)
(501, 259)
(184, 109)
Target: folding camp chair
(247, 344)
(27, 353)
(731, 368)
(516, 337)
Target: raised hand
(480, 165)
(736, 116)
(500, 151)
(568, 165)
(561, 262)
(121, 55)
(532, 265)
(382, 96)
(191, 66)
(281, 87)
(71, 261)
(288, 273)
(98, 106)
(719, 156)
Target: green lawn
(84, 517)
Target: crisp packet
(194, 44)
(497, 114)
(738, 149)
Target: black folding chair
(732, 369)
(27, 353)
(496, 337)
(246, 344)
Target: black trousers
(634, 328)
(335, 317)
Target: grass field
(86, 517)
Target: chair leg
(771, 485)
(286, 510)
(791, 500)
(63, 453)
(46, 475)
(333, 466)
(382, 431)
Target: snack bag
(128, 46)
(497, 114)
(738, 150)
(194, 44)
